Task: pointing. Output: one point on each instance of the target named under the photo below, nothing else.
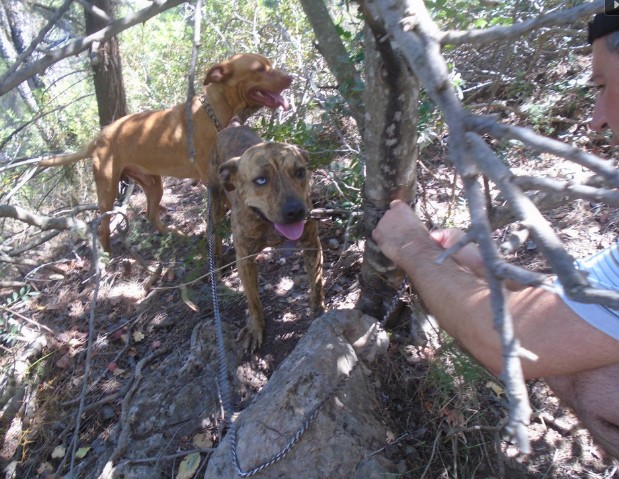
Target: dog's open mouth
(291, 231)
(269, 99)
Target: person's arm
(460, 302)
(468, 256)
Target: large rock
(345, 439)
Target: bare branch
(191, 92)
(569, 189)
(556, 18)
(37, 40)
(21, 162)
(512, 376)
(542, 144)
(43, 222)
(562, 263)
(33, 244)
(12, 284)
(11, 80)
(502, 216)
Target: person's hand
(468, 257)
(398, 228)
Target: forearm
(458, 300)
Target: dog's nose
(294, 210)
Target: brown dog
(267, 188)
(145, 146)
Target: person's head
(604, 37)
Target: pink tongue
(291, 231)
(279, 100)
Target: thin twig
(517, 30)
(170, 457)
(28, 320)
(123, 438)
(91, 335)
(197, 17)
(37, 40)
(8, 81)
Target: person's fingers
(447, 237)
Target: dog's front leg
(312, 257)
(251, 335)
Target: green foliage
(156, 55)
(465, 14)
(452, 367)
(9, 328)
(313, 137)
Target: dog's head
(272, 180)
(249, 81)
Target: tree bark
(390, 138)
(106, 65)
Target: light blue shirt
(603, 273)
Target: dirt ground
(443, 412)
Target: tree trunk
(333, 51)
(390, 139)
(106, 65)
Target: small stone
(333, 243)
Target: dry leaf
(498, 390)
(188, 466)
(453, 417)
(81, 452)
(186, 299)
(64, 361)
(570, 232)
(119, 333)
(202, 441)
(44, 468)
(74, 342)
(58, 452)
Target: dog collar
(210, 112)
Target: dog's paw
(250, 338)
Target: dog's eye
(260, 181)
(301, 173)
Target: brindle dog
(267, 188)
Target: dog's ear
(302, 153)
(217, 73)
(227, 173)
